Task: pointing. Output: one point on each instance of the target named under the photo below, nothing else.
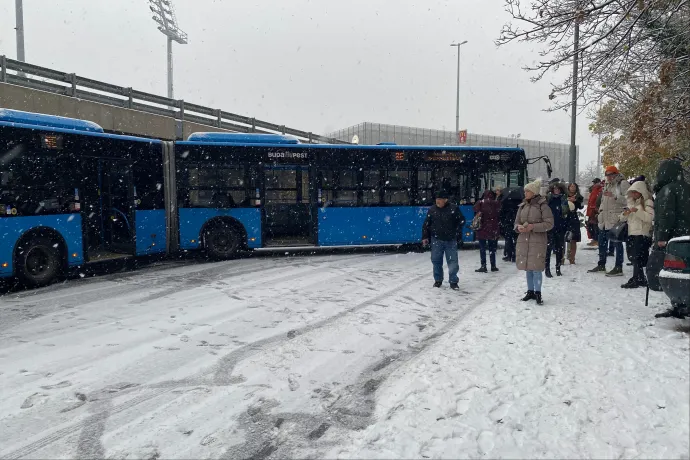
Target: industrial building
(374, 133)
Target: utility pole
(457, 97)
(19, 10)
(572, 170)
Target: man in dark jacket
(441, 228)
(558, 202)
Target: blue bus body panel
(378, 225)
(242, 138)
(48, 121)
(12, 228)
(81, 133)
(192, 219)
(150, 231)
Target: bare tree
(624, 46)
(587, 175)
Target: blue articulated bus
(71, 194)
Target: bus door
(108, 208)
(288, 218)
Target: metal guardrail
(69, 84)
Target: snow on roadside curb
(590, 374)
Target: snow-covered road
(338, 355)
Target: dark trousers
(605, 247)
(593, 230)
(491, 245)
(510, 239)
(640, 254)
(555, 243)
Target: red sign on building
(462, 136)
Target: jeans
(492, 245)
(640, 255)
(510, 246)
(556, 243)
(604, 248)
(450, 249)
(534, 280)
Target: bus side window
(397, 187)
(371, 187)
(425, 187)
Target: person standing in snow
(560, 207)
(640, 218)
(672, 217)
(488, 233)
(593, 212)
(441, 229)
(509, 208)
(573, 218)
(613, 201)
(533, 220)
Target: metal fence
(69, 84)
(373, 133)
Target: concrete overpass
(113, 119)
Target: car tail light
(673, 262)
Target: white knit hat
(534, 187)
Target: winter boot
(454, 286)
(494, 268)
(558, 271)
(631, 284)
(617, 271)
(481, 269)
(598, 269)
(547, 272)
(506, 259)
(537, 295)
(530, 296)
(437, 284)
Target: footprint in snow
(36, 398)
(63, 384)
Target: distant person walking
(533, 220)
(441, 229)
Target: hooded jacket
(641, 221)
(612, 206)
(560, 207)
(672, 202)
(490, 209)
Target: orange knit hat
(612, 170)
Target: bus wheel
(222, 241)
(38, 262)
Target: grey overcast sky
(316, 65)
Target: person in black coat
(576, 198)
(509, 208)
(441, 228)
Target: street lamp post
(164, 15)
(572, 160)
(19, 10)
(457, 102)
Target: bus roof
(29, 120)
(242, 138)
(389, 147)
(50, 121)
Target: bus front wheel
(38, 262)
(222, 242)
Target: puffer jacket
(672, 202)
(530, 249)
(641, 221)
(612, 206)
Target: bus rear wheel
(38, 262)
(222, 242)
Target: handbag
(655, 263)
(619, 232)
(476, 222)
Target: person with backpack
(533, 220)
(489, 208)
(441, 229)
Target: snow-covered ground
(350, 355)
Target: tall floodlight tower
(164, 15)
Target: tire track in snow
(353, 409)
(221, 376)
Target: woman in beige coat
(534, 219)
(639, 214)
